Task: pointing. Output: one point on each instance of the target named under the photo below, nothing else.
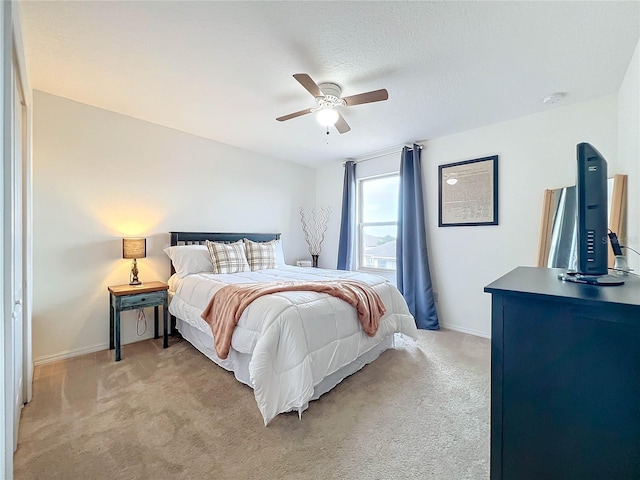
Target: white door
(6, 356)
(16, 253)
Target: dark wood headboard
(198, 238)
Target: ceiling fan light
(327, 117)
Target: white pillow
(228, 257)
(189, 259)
(279, 254)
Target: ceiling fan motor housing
(330, 89)
(331, 97)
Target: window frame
(361, 225)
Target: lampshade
(327, 117)
(134, 248)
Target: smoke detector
(553, 98)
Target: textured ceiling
(223, 70)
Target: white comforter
(295, 338)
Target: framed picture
(468, 193)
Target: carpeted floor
(420, 411)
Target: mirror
(557, 246)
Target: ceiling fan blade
(341, 124)
(368, 97)
(311, 86)
(294, 115)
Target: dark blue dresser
(565, 378)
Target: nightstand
(130, 297)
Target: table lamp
(134, 248)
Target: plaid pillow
(228, 257)
(261, 255)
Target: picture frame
(468, 193)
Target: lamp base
(621, 266)
(134, 274)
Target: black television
(592, 219)
(591, 191)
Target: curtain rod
(381, 153)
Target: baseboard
(44, 359)
(470, 331)
(65, 354)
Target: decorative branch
(314, 226)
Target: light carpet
(420, 411)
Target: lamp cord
(625, 271)
(629, 248)
(141, 318)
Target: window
(378, 222)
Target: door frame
(13, 64)
(6, 415)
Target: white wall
(535, 152)
(629, 152)
(329, 181)
(99, 176)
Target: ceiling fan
(328, 98)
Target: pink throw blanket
(228, 303)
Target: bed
(289, 347)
